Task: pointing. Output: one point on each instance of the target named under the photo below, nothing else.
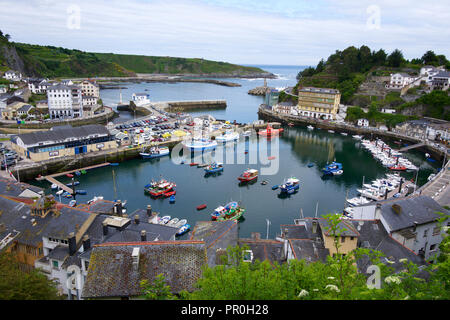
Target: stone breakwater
(259, 91)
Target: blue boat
(290, 186)
(78, 173)
(214, 167)
(114, 164)
(172, 199)
(75, 183)
(275, 187)
(310, 165)
(81, 191)
(334, 168)
(185, 228)
(431, 160)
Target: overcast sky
(283, 32)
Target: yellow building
(346, 234)
(318, 103)
(63, 141)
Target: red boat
(193, 164)
(169, 193)
(69, 175)
(201, 207)
(271, 158)
(269, 131)
(248, 175)
(398, 168)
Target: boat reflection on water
(213, 174)
(247, 183)
(284, 195)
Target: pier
(417, 145)
(190, 104)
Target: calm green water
(297, 146)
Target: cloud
(256, 32)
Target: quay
(190, 104)
(417, 145)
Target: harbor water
(298, 147)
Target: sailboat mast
(114, 183)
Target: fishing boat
(248, 175)
(269, 131)
(172, 199)
(247, 133)
(231, 211)
(193, 164)
(180, 223)
(333, 168)
(214, 167)
(201, 207)
(310, 127)
(169, 193)
(164, 220)
(228, 136)
(398, 168)
(72, 203)
(202, 165)
(290, 185)
(159, 188)
(185, 228)
(173, 222)
(155, 152)
(198, 144)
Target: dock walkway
(417, 145)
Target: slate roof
(217, 235)
(442, 74)
(343, 228)
(318, 90)
(111, 272)
(59, 253)
(309, 250)
(12, 188)
(264, 249)
(34, 138)
(420, 210)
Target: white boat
(72, 203)
(180, 223)
(431, 176)
(54, 186)
(331, 131)
(338, 172)
(173, 222)
(358, 201)
(94, 199)
(155, 152)
(198, 144)
(357, 137)
(247, 133)
(164, 220)
(60, 192)
(344, 133)
(228, 136)
(310, 127)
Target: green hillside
(173, 65)
(54, 62)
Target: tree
(157, 290)
(379, 57)
(429, 58)
(395, 59)
(18, 285)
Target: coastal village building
(64, 101)
(90, 88)
(140, 99)
(285, 108)
(39, 86)
(412, 221)
(319, 103)
(440, 81)
(363, 123)
(63, 141)
(400, 80)
(12, 75)
(3, 88)
(428, 129)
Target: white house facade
(400, 80)
(140, 99)
(363, 123)
(64, 102)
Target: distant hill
(54, 62)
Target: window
(55, 264)
(433, 247)
(436, 231)
(342, 239)
(248, 255)
(425, 232)
(86, 265)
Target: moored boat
(72, 203)
(164, 220)
(231, 211)
(201, 207)
(290, 185)
(248, 175)
(157, 189)
(214, 167)
(332, 168)
(228, 136)
(185, 228)
(198, 144)
(155, 152)
(172, 199)
(269, 131)
(310, 127)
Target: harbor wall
(176, 106)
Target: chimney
(135, 257)
(385, 194)
(143, 235)
(136, 219)
(72, 244)
(86, 243)
(119, 207)
(149, 210)
(314, 225)
(378, 211)
(105, 228)
(400, 187)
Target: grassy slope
(173, 65)
(52, 62)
